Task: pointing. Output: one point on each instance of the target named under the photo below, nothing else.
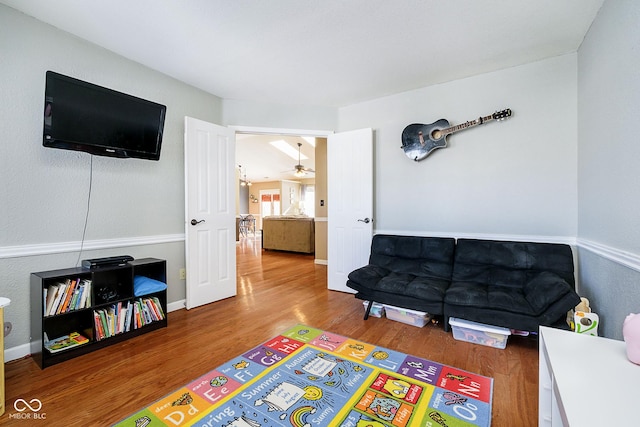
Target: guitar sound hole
(436, 134)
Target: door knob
(194, 222)
(366, 220)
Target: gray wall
(608, 164)
(137, 206)
(514, 179)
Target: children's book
(65, 342)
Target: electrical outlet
(183, 274)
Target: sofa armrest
(367, 276)
(544, 290)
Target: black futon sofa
(517, 285)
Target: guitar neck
(466, 125)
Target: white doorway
(359, 251)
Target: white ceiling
(260, 162)
(322, 52)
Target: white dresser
(586, 381)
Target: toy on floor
(583, 306)
(582, 320)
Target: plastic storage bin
(479, 333)
(377, 310)
(404, 315)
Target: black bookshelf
(110, 287)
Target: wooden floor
(275, 291)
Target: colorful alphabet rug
(309, 377)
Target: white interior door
(209, 153)
(350, 204)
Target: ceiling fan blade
(299, 170)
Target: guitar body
(419, 140)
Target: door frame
(280, 131)
(254, 130)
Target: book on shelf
(158, 306)
(101, 324)
(49, 297)
(97, 321)
(66, 342)
(64, 304)
(68, 296)
(147, 310)
(125, 316)
(59, 292)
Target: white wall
(513, 178)
(609, 110)
(43, 196)
(608, 168)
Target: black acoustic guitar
(419, 140)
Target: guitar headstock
(501, 115)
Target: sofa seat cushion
(511, 264)
(491, 297)
(537, 297)
(419, 256)
(372, 278)
(509, 307)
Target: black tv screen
(86, 117)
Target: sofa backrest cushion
(505, 263)
(420, 256)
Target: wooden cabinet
(109, 313)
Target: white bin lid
(405, 310)
(478, 326)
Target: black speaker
(106, 262)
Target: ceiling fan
(300, 170)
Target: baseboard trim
(17, 352)
(177, 305)
(321, 261)
(89, 245)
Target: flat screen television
(86, 117)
